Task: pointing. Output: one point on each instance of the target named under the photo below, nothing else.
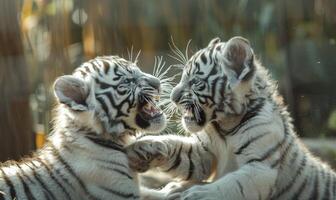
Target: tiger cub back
(241, 134)
(101, 106)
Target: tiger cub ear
(214, 41)
(239, 58)
(72, 92)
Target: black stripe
(118, 193)
(124, 173)
(87, 69)
(118, 106)
(9, 184)
(211, 56)
(172, 154)
(255, 107)
(142, 157)
(26, 188)
(106, 143)
(222, 89)
(316, 187)
(82, 72)
(255, 125)
(65, 180)
(93, 64)
(275, 163)
(254, 111)
(202, 143)
(177, 160)
(213, 72)
(117, 170)
(196, 68)
(47, 193)
(191, 164)
(269, 152)
(200, 161)
(24, 174)
(240, 188)
(298, 193)
(294, 157)
(106, 66)
(148, 155)
(246, 144)
(103, 104)
(221, 133)
(294, 178)
(326, 194)
(71, 171)
(54, 178)
(111, 162)
(203, 58)
(103, 85)
(284, 154)
(40, 180)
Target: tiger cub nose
(176, 94)
(154, 82)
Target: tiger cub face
(214, 83)
(111, 95)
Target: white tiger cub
(105, 101)
(242, 134)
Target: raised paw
(146, 154)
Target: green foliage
(294, 39)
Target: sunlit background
(43, 39)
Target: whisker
(180, 129)
(170, 110)
(178, 54)
(137, 56)
(150, 101)
(196, 112)
(160, 65)
(155, 67)
(130, 54)
(181, 61)
(187, 49)
(197, 106)
(177, 51)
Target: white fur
(260, 158)
(73, 166)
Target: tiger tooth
(188, 113)
(152, 114)
(157, 97)
(147, 106)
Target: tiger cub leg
(252, 181)
(186, 158)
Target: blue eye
(196, 81)
(126, 81)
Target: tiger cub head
(215, 82)
(110, 95)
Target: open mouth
(148, 109)
(191, 114)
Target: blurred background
(43, 39)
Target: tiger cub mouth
(191, 114)
(148, 109)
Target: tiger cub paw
(146, 154)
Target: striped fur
(100, 109)
(243, 141)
